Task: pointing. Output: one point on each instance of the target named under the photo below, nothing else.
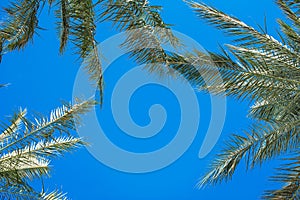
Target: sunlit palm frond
(265, 71)
(260, 144)
(25, 167)
(28, 145)
(61, 120)
(240, 79)
(44, 148)
(14, 126)
(245, 35)
(54, 195)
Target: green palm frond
(26, 147)
(241, 79)
(19, 193)
(21, 24)
(25, 167)
(61, 120)
(292, 36)
(14, 126)
(260, 144)
(292, 10)
(271, 109)
(289, 175)
(54, 195)
(130, 15)
(63, 14)
(246, 36)
(146, 31)
(77, 23)
(264, 70)
(45, 148)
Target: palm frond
(289, 175)
(14, 126)
(54, 195)
(246, 36)
(27, 146)
(76, 23)
(266, 71)
(283, 108)
(20, 26)
(291, 37)
(240, 79)
(261, 144)
(146, 31)
(44, 148)
(39, 151)
(292, 10)
(61, 120)
(28, 167)
(269, 109)
(19, 193)
(63, 14)
(82, 32)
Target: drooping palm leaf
(77, 24)
(21, 24)
(146, 31)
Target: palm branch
(76, 24)
(27, 147)
(265, 71)
(146, 31)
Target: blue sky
(40, 79)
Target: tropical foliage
(76, 23)
(265, 71)
(27, 147)
(257, 67)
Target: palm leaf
(257, 146)
(20, 25)
(292, 10)
(266, 71)
(246, 36)
(146, 31)
(289, 175)
(27, 146)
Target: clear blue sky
(40, 79)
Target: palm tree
(27, 147)
(77, 21)
(265, 71)
(259, 68)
